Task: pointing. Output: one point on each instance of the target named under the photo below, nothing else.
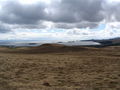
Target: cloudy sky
(59, 19)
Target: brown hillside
(52, 45)
(71, 68)
(53, 48)
(48, 48)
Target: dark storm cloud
(64, 13)
(16, 13)
(71, 11)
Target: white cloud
(59, 19)
(113, 1)
(111, 30)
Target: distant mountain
(109, 42)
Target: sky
(59, 20)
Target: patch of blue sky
(100, 27)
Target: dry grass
(79, 69)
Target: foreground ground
(85, 69)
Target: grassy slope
(86, 68)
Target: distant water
(81, 43)
(19, 44)
(32, 44)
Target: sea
(33, 43)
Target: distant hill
(47, 48)
(109, 42)
(51, 45)
(58, 48)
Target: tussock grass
(85, 69)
